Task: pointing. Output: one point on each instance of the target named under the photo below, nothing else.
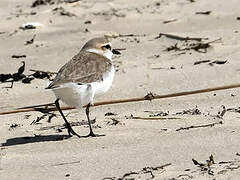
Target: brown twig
(124, 35)
(169, 21)
(199, 126)
(131, 35)
(149, 96)
(152, 118)
(172, 36)
(66, 163)
(204, 12)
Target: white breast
(103, 86)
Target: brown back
(85, 67)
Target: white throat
(108, 54)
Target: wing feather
(83, 68)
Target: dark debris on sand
(19, 75)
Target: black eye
(107, 47)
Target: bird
(89, 73)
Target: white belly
(79, 95)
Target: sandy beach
(167, 46)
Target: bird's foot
(71, 131)
(91, 134)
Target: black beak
(114, 51)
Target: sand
(142, 140)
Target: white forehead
(108, 43)
(107, 53)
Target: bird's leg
(89, 122)
(68, 126)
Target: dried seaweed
(198, 46)
(206, 167)
(19, 75)
(146, 171)
(42, 2)
(15, 76)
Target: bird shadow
(33, 139)
(39, 138)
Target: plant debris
(194, 111)
(150, 117)
(31, 41)
(109, 13)
(46, 114)
(42, 2)
(42, 74)
(204, 12)
(13, 126)
(4, 77)
(12, 33)
(200, 62)
(19, 56)
(29, 26)
(222, 112)
(66, 163)
(210, 63)
(217, 62)
(199, 47)
(25, 79)
(110, 114)
(149, 96)
(199, 126)
(145, 173)
(20, 13)
(71, 1)
(114, 122)
(161, 113)
(116, 35)
(15, 76)
(237, 110)
(205, 166)
(63, 12)
(169, 21)
(176, 37)
(88, 22)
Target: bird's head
(101, 46)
